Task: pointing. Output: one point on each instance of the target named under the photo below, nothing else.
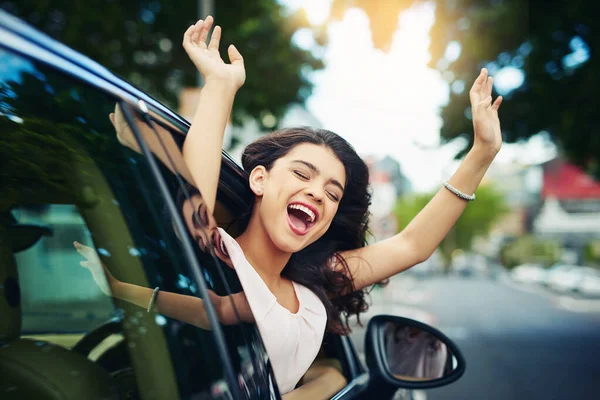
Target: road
(520, 342)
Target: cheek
(328, 215)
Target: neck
(261, 252)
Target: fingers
(497, 103)
(79, 247)
(483, 74)
(215, 38)
(198, 27)
(487, 89)
(479, 82)
(85, 251)
(187, 36)
(475, 94)
(205, 28)
(197, 34)
(234, 56)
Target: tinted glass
(64, 168)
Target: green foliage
(591, 253)
(529, 249)
(477, 219)
(140, 40)
(534, 36)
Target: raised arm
(164, 148)
(421, 237)
(204, 141)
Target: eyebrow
(314, 168)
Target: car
(556, 275)
(529, 274)
(568, 278)
(67, 176)
(590, 284)
(579, 279)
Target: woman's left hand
(488, 136)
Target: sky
(389, 103)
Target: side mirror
(403, 353)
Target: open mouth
(301, 218)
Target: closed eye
(300, 175)
(333, 196)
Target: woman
(307, 225)
(302, 258)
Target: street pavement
(520, 342)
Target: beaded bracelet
(152, 299)
(458, 192)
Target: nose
(315, 193)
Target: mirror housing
(422, 356)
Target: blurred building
(569, 208)
(390, 167)
(387, 184)
(521, 185)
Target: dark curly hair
(311, 266)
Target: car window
(55, 296)
(250, 359)
(67, 177)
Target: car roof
(20, 37)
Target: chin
(289, 244)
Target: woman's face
(203, 226)
(299, 196)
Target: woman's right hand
(102, 276)
(207, 58)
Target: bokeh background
(517, 281)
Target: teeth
(307, 211)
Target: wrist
(483, 154)
(222, 85)
(116, 288)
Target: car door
(66, 177)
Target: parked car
(529, 274)
(575, 278)
(590, 284)
(67, 176)
(557, 274)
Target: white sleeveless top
(292, 340)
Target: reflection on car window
(55, 296)
(243, 339)
(65, 168)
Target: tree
(549, 42)
(591, 253)
(477, 219)
(141, 42)
(529, 249)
